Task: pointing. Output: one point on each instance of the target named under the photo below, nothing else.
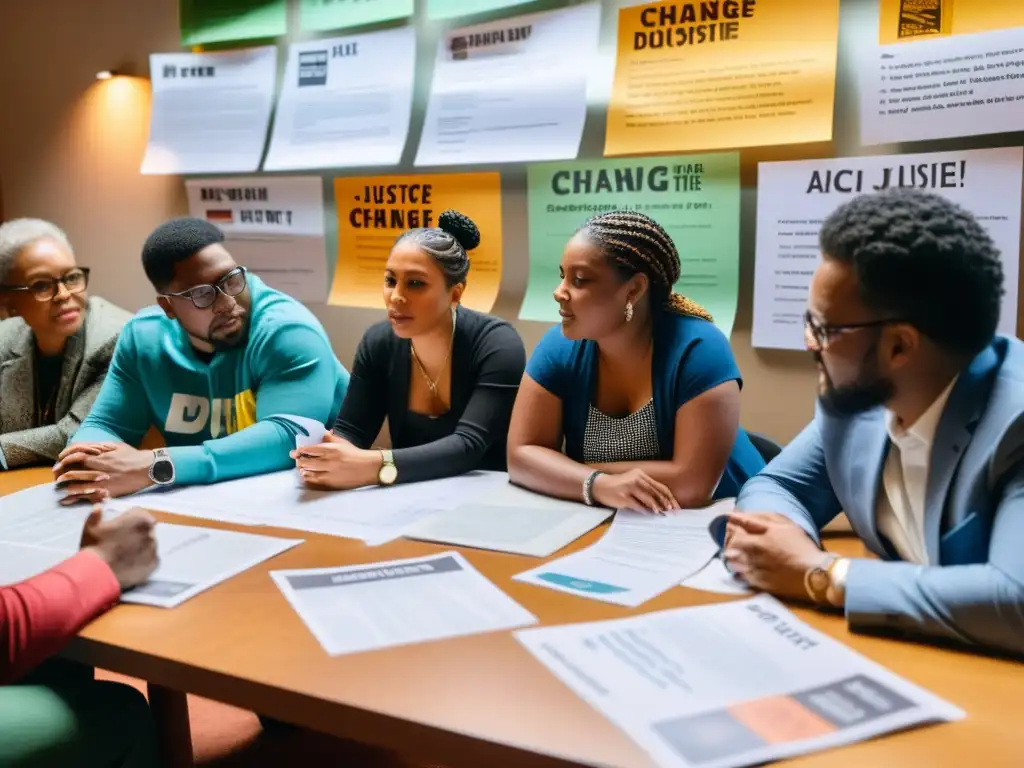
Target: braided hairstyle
(447, 243)
(634, 242)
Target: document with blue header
(641, 556)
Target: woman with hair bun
(637, 383)
(445, 376)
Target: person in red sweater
(57, 721)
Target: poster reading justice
(374, 210)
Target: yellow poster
(374, 210)
(905, 20)
(722, 74)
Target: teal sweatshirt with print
(220, 419)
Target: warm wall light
(105, 74)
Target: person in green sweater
(219, 368)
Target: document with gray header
(397, 602)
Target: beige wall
(70, 149)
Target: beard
(870, 390)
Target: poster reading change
(696, 199)
(944, 69)
(794, 198)
(374, 210)
(715, 75)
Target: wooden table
(483, 700)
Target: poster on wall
(210, 111)
(794, 198)
(697, 76)
(273, 225)
(219, 21)
(944, 69)
(447, 9)
(346, 101)
(324, 15)
(511, 91)
(374, 210)
(696, 198)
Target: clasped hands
(770, 553)
(98, 471)
(335, 464)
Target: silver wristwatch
(161, 471)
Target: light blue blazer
(973, 592)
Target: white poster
(511, 91)
(794, 198)
(345, 102)
(210, 111)
(734, 684)
(942, 87)
(273, 225)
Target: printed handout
(734, 684)
(379, 605)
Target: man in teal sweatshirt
(217, 368)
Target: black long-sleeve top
(487, 363)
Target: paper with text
(794, 198)
(639, 557)
(345, 102)
(380, 605)
(511, 519)
(714, 577)
(943, 70)
(512, 90)
(273, 226)
(734, 684)
(210, 111)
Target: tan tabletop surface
(483, 701)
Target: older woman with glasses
(55, 346)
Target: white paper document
(194, 559)
(794, 198)
(375, 514)
(36, 533)
(511, 91)
(398, 602)
(639, 557)
(714, 577)
(210, 111)
(511, 519)
(345, 102)
(937, 87)
(728, 685)
(273, 226)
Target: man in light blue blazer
(918, 435)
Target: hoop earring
(629, 311)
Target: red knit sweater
(40, 615)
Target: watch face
(163, 471)
(388, 474)
(819, 580)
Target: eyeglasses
(47, 289)
(204, 296)
(818, 335)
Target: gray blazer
(973, 591)
(86, 358)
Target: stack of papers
(379, 605)
(511, 519)
(733, 684)
(36, 533)
(641, 556)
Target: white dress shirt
(900, 510)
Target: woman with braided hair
(638, 382)
(444, 376)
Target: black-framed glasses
(47, 289)
(204, 296)
(818, 335)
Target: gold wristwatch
(816, 580)
(388, 472)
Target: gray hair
(18, 234)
